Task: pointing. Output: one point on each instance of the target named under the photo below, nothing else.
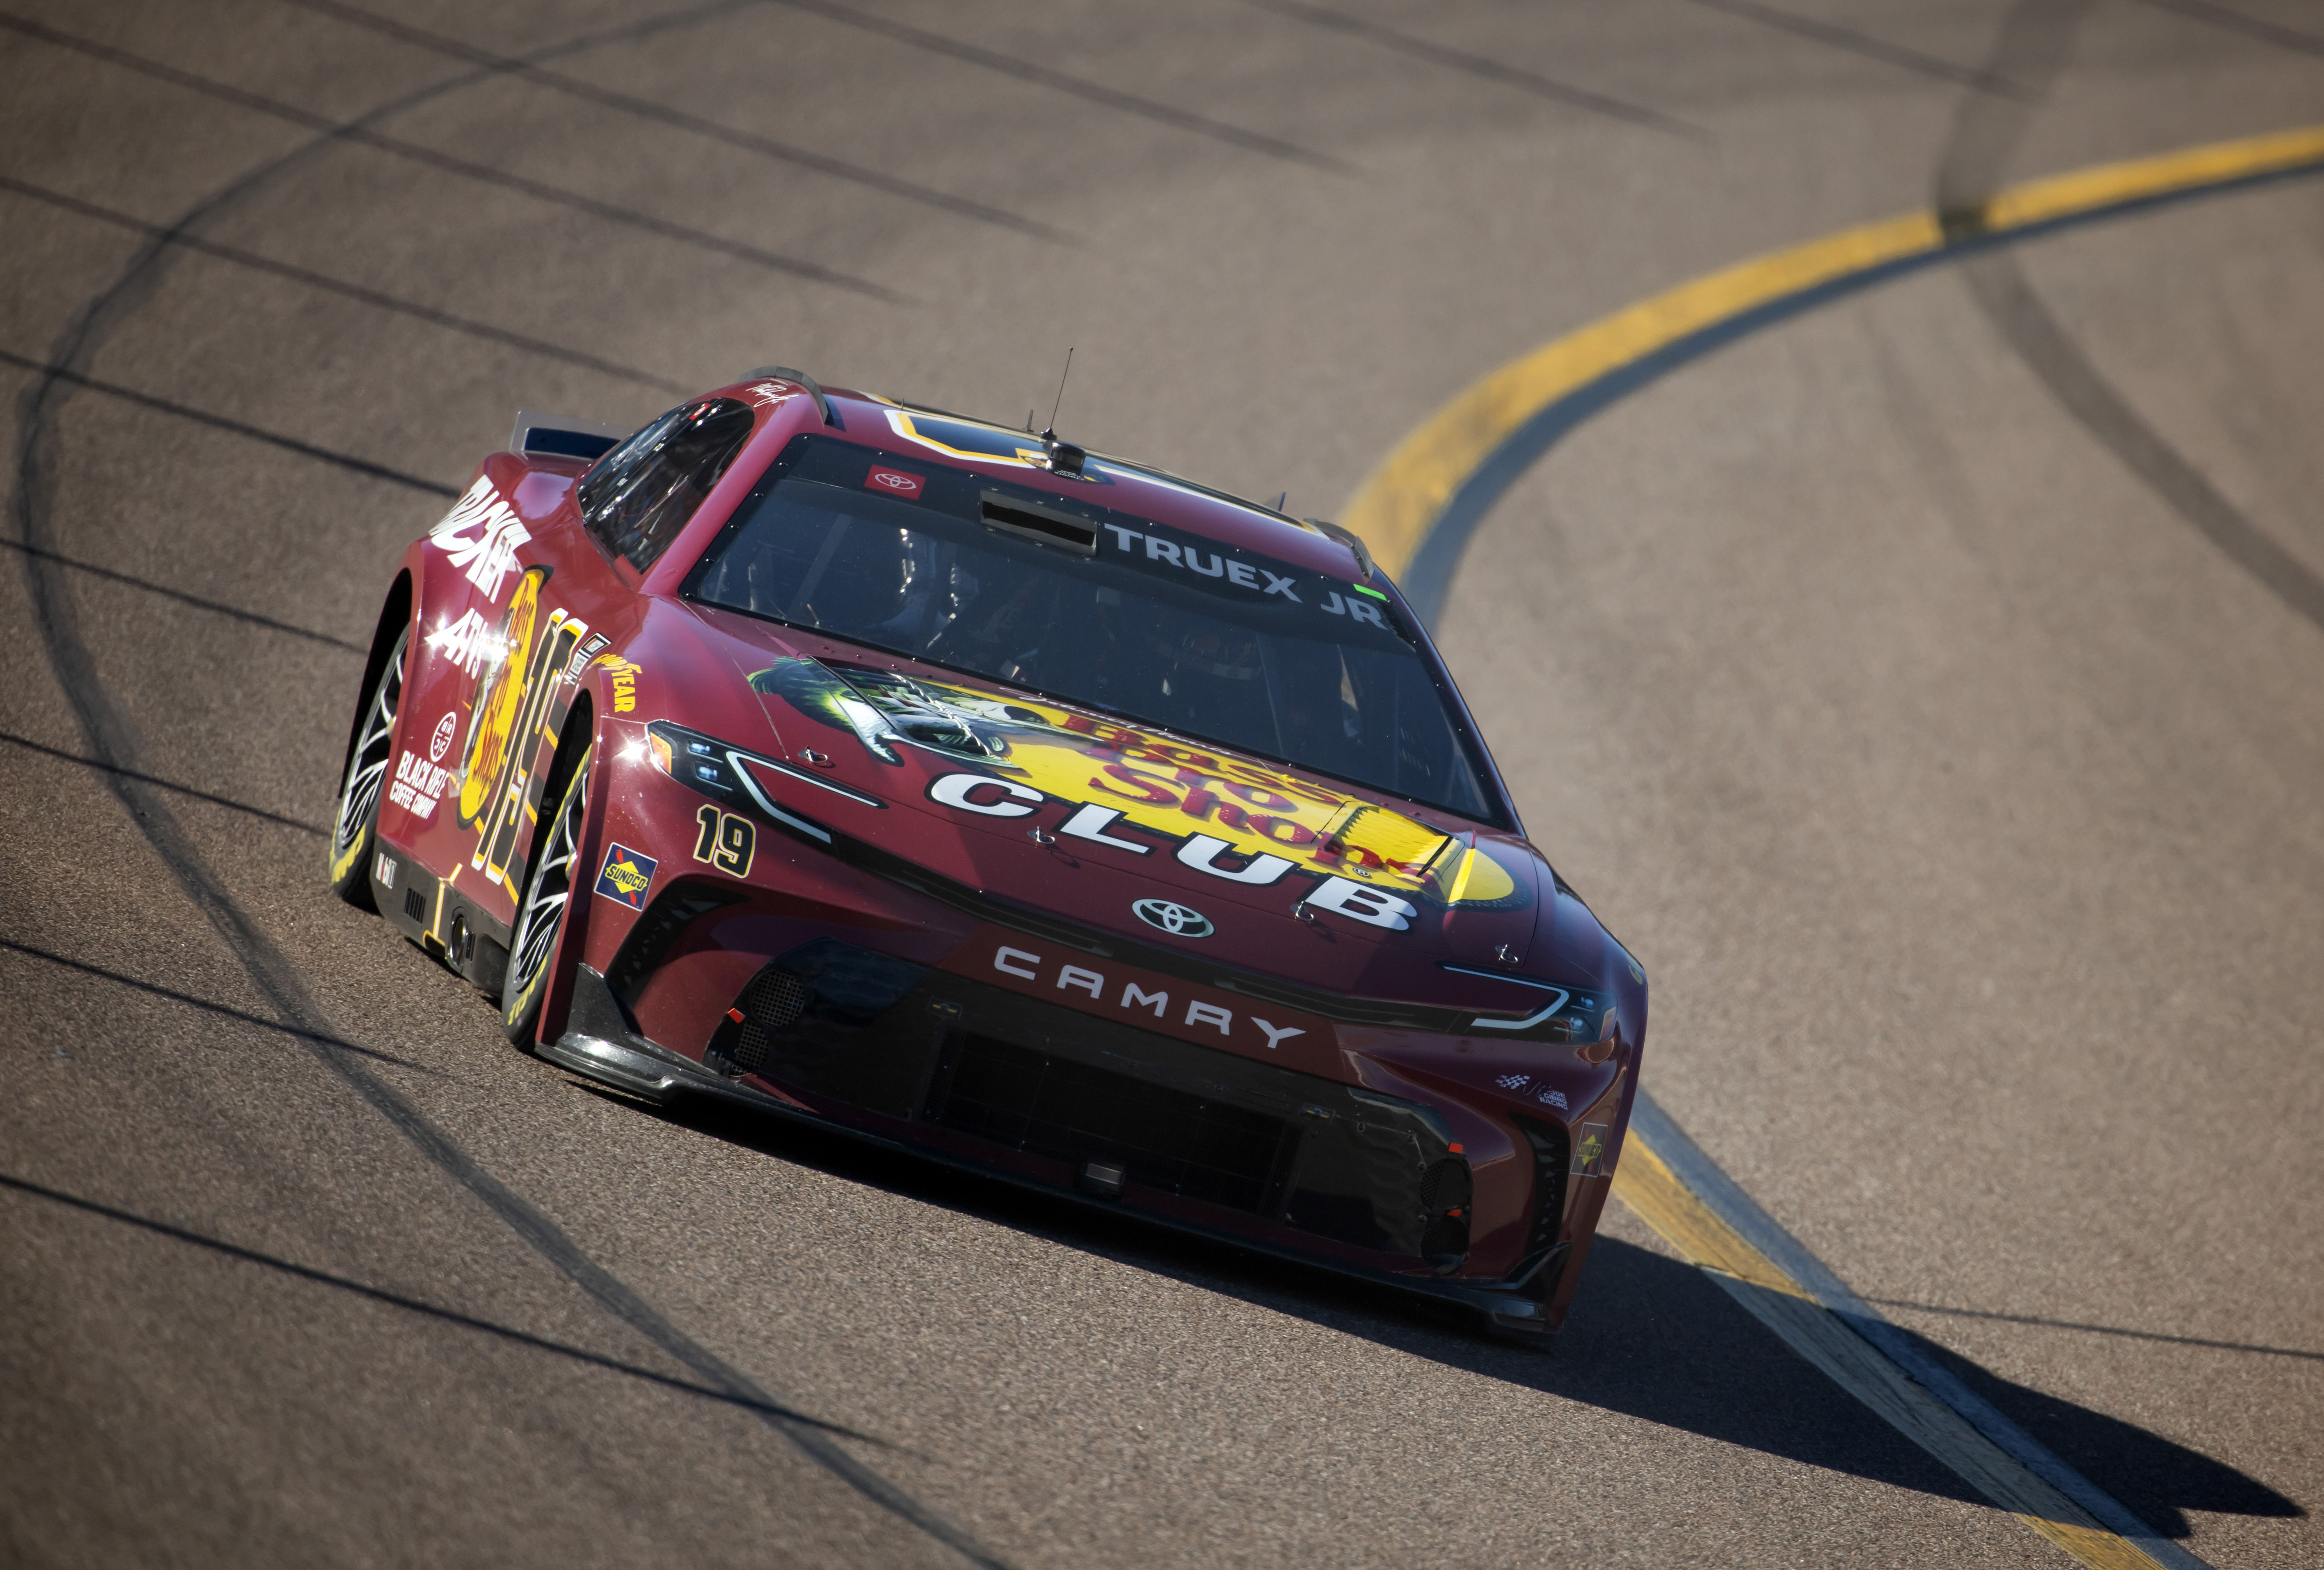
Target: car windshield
(1073, 600)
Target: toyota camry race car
(1030, 810)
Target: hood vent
(1043, 526)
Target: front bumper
(926, 1062)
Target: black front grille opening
(772, 1002)
(1445, 1194)
(415, 905)
(1161, 1138)
(1553, 1155)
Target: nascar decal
(1234, 819)
(625, 877)
(481, 534)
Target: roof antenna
(1065, 458)
(1061, 394)
(1281, 500)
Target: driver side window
(642, 493)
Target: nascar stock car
(1020, 807)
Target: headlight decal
(1567, 1013)
(727, 773)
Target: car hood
(977, 780)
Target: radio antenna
(1061, 391)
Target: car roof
(920, 433)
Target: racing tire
(541, 919)
(355, 824)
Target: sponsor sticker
(480, 535)
(387, 871)
(440, 742)
(625, 682)
(1514, 1081)
(1552, 1098)
(1590, 1150)
(625, 877)
(417, 783)
(895, 482)
(467, 643)
(1145, 795)
(587, 650)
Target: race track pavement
(1920, 684)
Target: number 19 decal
(726, 841)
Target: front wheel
(354, 826)
(541, 919)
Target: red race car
(1014, 805)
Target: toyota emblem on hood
(1174, 919)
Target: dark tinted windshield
(1090, 606)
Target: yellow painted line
(1645, 1182)
(1401, 500)
(1407, 495)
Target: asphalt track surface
(1924, 686)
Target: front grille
(415, 905)
(1553, 1150)
(773, 1000)
(1163, 1138)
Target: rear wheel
(541, 919)
(354, 826)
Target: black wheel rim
(543, 916)
(367, 770)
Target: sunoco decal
(625, 877)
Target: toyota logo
(1174, 919)
(897, 482)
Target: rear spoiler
(556, 435)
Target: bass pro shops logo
(1174, 919)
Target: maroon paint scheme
(1472, 1164)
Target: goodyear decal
(626, 876)
(1236, 819)
(624, 673)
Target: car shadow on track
(1650, 1338)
